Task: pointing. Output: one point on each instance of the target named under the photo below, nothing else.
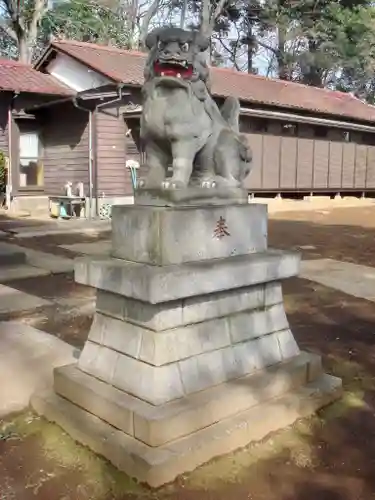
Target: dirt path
(70, 313)
(346, 234)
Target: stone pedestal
(190, 354)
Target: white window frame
(34, 155)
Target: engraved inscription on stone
(221, 229)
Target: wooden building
(304, 140)
(22, 87)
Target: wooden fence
(298, 164)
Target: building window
(31, 170)
(320, 132)
(305, 131)
(259, 125)
(368, 138)
(245, 125)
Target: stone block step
(180, 343)
(158, 385)
(167, 315)
(157, 466)
(156, 284)
(157, 425)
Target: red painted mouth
(174, 70)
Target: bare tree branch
(274, 50)
(150, 13)
(208, 19)
(10, 8)
(7, 30)
(231, 51)
(270, 65)
(218, 10)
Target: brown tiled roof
(19, 77)
(127, 67)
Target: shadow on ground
(316, 241)
(9, 223)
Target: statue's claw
(208, 184)
(169, 184)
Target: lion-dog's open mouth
(175, 68)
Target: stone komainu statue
(182, 128)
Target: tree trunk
(133, 16)
(207, 23)
(313, 75)
(282, 66)
(250, 48)
(183, 14)
(24, 54)
(205, 27)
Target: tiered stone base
(189, 432)
(190, 354)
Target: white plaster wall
(74, 74)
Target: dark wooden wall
(4, 125)
(66, 151)
(297, 158)
(65, 140)
(113, 176)
(64, 134)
